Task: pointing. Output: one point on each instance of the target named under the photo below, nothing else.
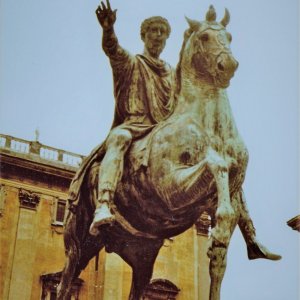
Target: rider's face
(155, 38)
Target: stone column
(2, 199)
(24, 252)
(113, 281)
(95, 274)
(203, 227)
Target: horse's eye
(204, 37)
(229, 36)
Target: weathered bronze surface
(294, 223)
(184, 156)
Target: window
(58, 212)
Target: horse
(193, 162)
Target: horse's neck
(210, 105)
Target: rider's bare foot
(257, 250)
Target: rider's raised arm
(107, 17)
(110, 44)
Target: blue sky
(54, 76)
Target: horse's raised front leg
(254, 247)
(226, 220)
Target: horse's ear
(226, 19)
(211, 14)
(194, 25)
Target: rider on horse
(143, 88)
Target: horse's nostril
(221, 67)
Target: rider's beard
(155, 48)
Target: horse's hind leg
(92, 247)
(75, 264)
(142, 269)
(140, 255)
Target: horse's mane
(187, 35)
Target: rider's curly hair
(146, 23)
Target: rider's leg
(110, 173)
(254, 247)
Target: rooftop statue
(173, 152)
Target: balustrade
(36, 148)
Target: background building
(33, 192)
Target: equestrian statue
(173, 152)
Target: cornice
(35, 189)
(33, 162)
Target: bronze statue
(184, 156)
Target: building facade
(33, 191)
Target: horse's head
(206, 50)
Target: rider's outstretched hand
(105, 15)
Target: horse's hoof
(257, 250)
